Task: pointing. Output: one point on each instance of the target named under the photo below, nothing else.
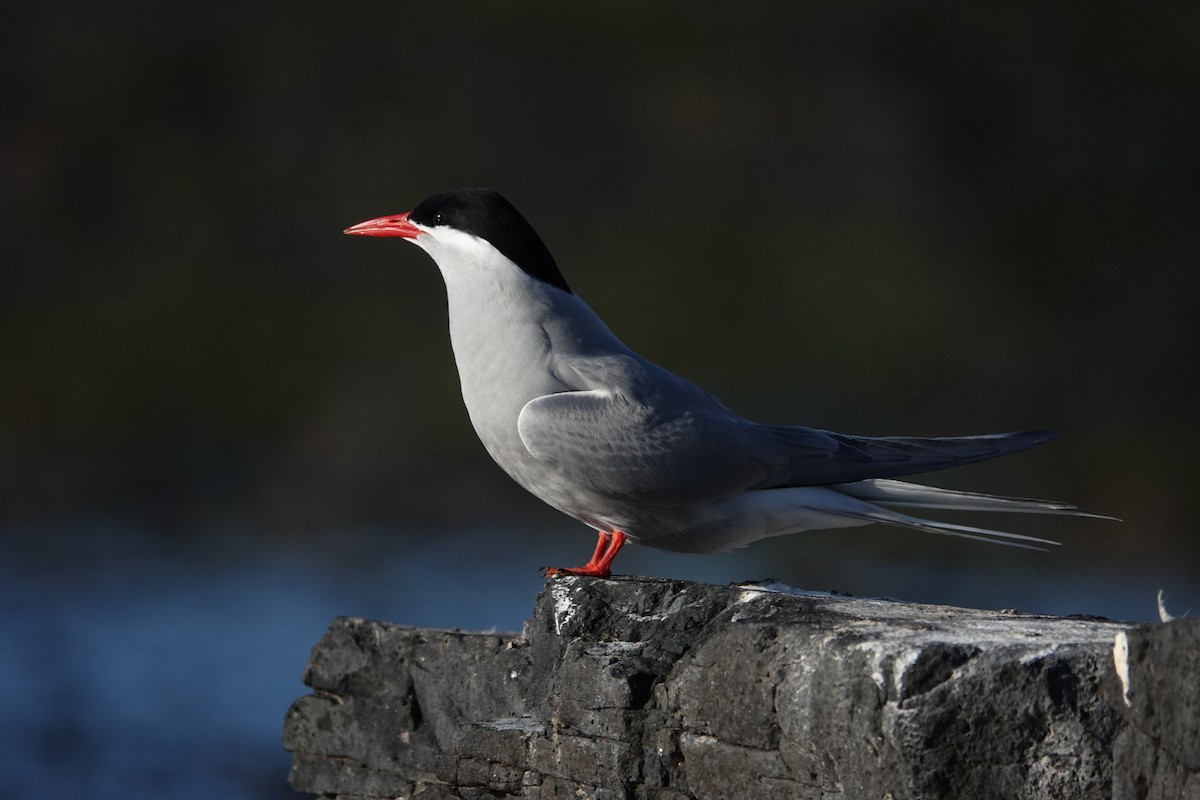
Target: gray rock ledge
(644, 688)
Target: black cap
(484, 213)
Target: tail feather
(868, 512)
(776, 512)
(874, 494)
(914, 495)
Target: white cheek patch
(474, 270)
(454, 243)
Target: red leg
(607, 547)
(601, 545)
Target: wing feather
(629, 451)
(635, 432)
(856, 458)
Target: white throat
(509, 330)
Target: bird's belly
(552, 486)
(494, 392)
(494, 418)
(500, 382)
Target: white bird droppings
(1121, 662)
(1163, 614)
(900, 665)
(564, 606)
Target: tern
(635, 451)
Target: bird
(636, 452)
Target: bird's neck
(509, 330)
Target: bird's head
(456, 226)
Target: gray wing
(626, 450)
(638, 432)
(634, 431)
(856, 458)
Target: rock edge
(646, 688)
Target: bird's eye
(439, 218)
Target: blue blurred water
(132, 667)
(137, 666)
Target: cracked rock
(643, 688)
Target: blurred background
(223, 423)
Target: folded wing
(638, 433)
(629, 451)
(856, 458)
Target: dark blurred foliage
(872, 217)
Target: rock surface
(640, 688)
